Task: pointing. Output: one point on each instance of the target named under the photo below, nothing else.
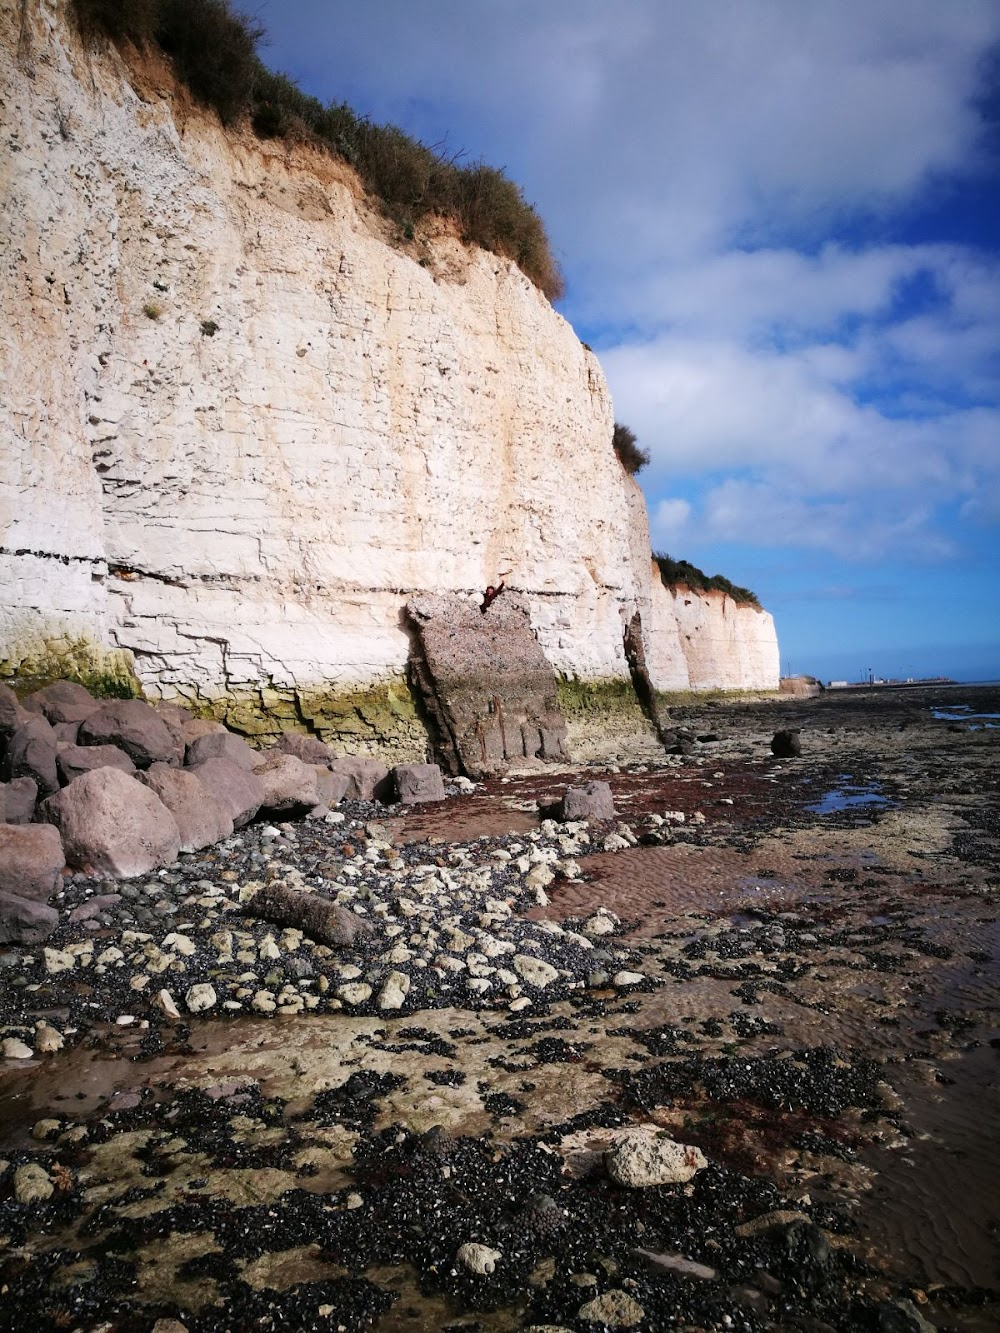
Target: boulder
(786, 744)
(418, 782)
(591, 801)
(134, 727)
(66, 733)
(72, 760)
(12, 715)
(25, 921)
(221, 745)
(31, 753)
(174, 713)
(289, 784)
(113, 825)
(31, 860)
(200, 726)
(363, 775)
(649, 1156)
(17, 801)
(237, 790)
(201, 819)
(328, 922)
(310, 749)
(63, 701)
(330, 787)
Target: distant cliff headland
(273, 372)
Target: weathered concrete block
(487, 687)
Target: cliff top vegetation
(214, 53)
(676, 573)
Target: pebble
(478, 1258)
(11, 1048)
(32, 1183)
(201, 997)
(614, 1309)
(648, 1156)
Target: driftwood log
(317, 917)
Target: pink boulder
(72, 760)
(222, 745)
(135, 728)
(363, 775)
(201, 819)
(239, 792)
(64, 701)
(31, 860)
(288, 783)
(113, 825)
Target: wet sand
(822, 951)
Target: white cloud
(695, 164)
(669, 523)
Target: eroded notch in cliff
(487, 691)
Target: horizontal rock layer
(247, 421)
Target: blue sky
(779, 224)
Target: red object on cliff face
(490, 596)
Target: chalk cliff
(244, 422)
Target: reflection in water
(847, 797)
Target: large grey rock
(113, 825)
(328, 922)
(134, 727)
(201, 818)
(364, 775)
(289, 784)
(648, 1156)
(72, 760)
(487, 688)
(239, 791)
(222, 745)
(12, 715)
(310, 749)
(66, 733)
(25, 921)
(63, 701)
(418, 782)
(31, 753)
(31, 860)
(591, 801)
(17, 801)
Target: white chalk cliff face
(240, 427)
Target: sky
(779, 226)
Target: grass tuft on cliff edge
(214, 51)
(677, 573)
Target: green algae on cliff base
(375, 718)
(108, 673)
